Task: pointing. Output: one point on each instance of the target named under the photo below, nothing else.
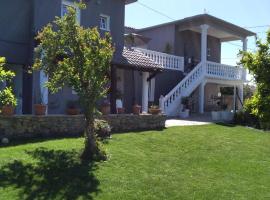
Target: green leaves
(76, 57)
(5, 75)
(7, 98)
(258, 64)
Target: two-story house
(160, 64)
(189, 50)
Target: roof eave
(130, 1)
(206, 18)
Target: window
(64, 9)
(104, 22)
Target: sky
(244, 13)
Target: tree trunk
(91, 150)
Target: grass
(197, 162)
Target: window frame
(71, 4)
(108, 22)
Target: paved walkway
(194, 120)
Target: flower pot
(73, 111)
(216, 116)
(136, 109)
(105, 109)
(40, 109)
(120, 110)
(184, 114)
(227, 116)
(154, 111)
(8, 110)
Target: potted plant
(216, 115)
(154, 110)
(39, 107)
(8, 101)
(106, 107)
(184, 113)
(136, 109)
(72, 108)
(226, 116)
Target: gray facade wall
(160, 37)
(188, 45)
(89, 18)
(132, 89)
(15, 23)
(165, 82)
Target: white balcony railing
(165, 60)
(221, 71)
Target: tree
(258, 64)
(79, 58)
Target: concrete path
(194, 120)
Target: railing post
(161, 103)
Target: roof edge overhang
(136, 67)
(130, 1)
(198, 20)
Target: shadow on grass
(23, 141)
(226, 124)
(56, 174)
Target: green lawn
(202, 162)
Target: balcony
(225, 72)
(165, 60)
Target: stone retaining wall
(28, 126)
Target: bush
(7, 98)
(246, 119)
(102, 129)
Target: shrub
(7, 98)
(102, 129)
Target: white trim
(108, 22)
(145, 90)
(71, 4)
(204, 30)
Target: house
(189, 50)
(158, 65)
(20, 21)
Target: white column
(201, 97)
(145, 89)
(244, 75)
(44, 93)
(204, 29)
(234, 98)
(161, 103)
(244, 41)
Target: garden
(202, 162)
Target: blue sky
(245, 13)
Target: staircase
(170, 104)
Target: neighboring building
(190, 52)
